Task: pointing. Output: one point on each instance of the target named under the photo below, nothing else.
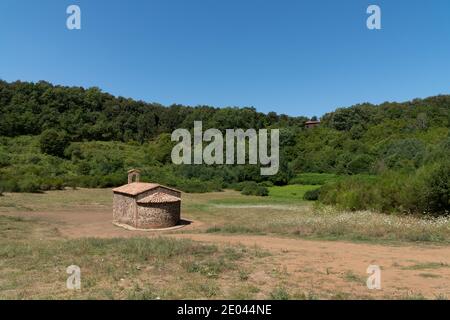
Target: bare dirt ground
(408, 271)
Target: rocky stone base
(130, 228)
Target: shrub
(53, 142)
(360, 164)
(112, 180)
(261, 191)
(438, 189)
(238, 186)
(404, 153)
(29, 185)
(353, 193)
(83, 168)
(266, 184)
(193, 186)
(5, 159)
(196, 185)
(312, 195)
(427, 191)
(9, 185)
(254, 189)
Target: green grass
(291, 193)
(316, 179)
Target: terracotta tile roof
(159, 197)
(136, 188)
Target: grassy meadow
(283, 212)
(34, 253)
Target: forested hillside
(392, 157)
(90, 114)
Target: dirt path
(330, 266)
(334, 266)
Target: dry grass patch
(33, 263)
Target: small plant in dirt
(260, 253)
(210, 268)
(209, 289)
(138, 293)
(352, 277)
(233, 254)
(243, 275)
(280, 293)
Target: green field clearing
(314, 178)
(290, 192)
(283, 213)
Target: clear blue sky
(295, 57)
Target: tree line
(92, 115)
(391, 157)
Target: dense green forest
(392, 157)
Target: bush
(53, 142)
(238, 186)
(427, 191)
(266, 184)
(196, 186)
(5, 159)
(29, 186)
(353, 193)
(438, 189)
(112, 180)
(406, 153)
(312, 195)
(360, 164)
(254, 189)
(9, 185)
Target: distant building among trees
(312, 124)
